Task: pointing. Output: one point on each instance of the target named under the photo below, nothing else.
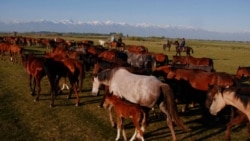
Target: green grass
(22, 119)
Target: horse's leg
(32, 89)
(240, 118)
(123, 130)
(169, 120)
(73, 84)
(138, 132)
(111, 116)
(119, 122)
(38, 87)
(82, 74)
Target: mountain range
(106, 27)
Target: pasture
(23, 119)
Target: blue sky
(212, 15)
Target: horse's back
(133, 87)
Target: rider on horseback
(182, 45)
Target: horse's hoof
(77, 104)
(35, 100)
(51, 105)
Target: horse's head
(218, 103)
(95, 86)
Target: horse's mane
(107, 74)
(243, 94)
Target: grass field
(21, 119)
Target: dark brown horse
(186, 49)
(167, 45)
(65, 67)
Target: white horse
(141, 89)
(237, 97)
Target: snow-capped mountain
(107, 27)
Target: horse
(144, 60)
(137, 49)
(243, 72)
(16, 51)
(193, 61)
(66, 67)
(196, 83)
(201, 80)
(236, 97)
(167, 45)
(186, 49)
(4, 47)
(124, 109)
(33, 65)
(144, 90)
(160, 58)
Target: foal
(125, 109)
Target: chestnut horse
(4, 47)
(125, 109)
(243, 72)
(167, 45)
(193, 61)
(34, 67)
(137, 49)
(15, 53)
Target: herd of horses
(135, 80)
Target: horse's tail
(171, 107)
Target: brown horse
(201, 80)
(125, 109)
(193, 61)
(137, 49)
(186, 49)
(243, 72)
(4, 47)
(35, 70)
(167, 45)
(160, 58)
(65, 67)
(15, 53)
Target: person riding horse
(182, 45)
